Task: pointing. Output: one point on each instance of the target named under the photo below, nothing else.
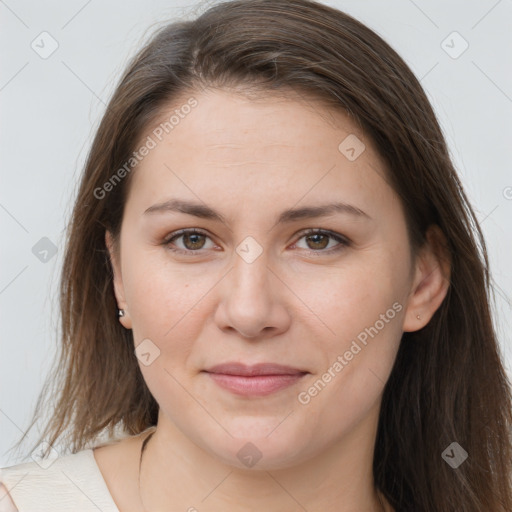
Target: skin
(6, 503)
(297, 304)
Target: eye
(318, 240)
(194, 241)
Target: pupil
(321, 236)
(188, 237)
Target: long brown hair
(448, 383)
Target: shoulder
(58, 484)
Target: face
(326, 294)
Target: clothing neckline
(32, 486)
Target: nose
(253, 300)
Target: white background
(50, 108)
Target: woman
(274, 287)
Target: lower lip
(259, 385)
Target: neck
(177, 474)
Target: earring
(120, 312)
(418, 317)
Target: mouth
(254, 380)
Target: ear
(431, 280)
(118, 282)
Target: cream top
(70, 482)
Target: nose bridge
(250, 274)
(250, 302)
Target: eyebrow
(307, 212)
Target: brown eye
(317, 241)
(192, 241)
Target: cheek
(160, 290)
(364, 310)
(351, 384)
(353, 297)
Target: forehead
(267, 116)
(231, 146)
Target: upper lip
(233, 368)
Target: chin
(266, 449)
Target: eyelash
(343, 241)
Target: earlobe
(124, 318)
(431, 281)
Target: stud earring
(418, 317)
(120, 312)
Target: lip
(246, 370)
(254, 380)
